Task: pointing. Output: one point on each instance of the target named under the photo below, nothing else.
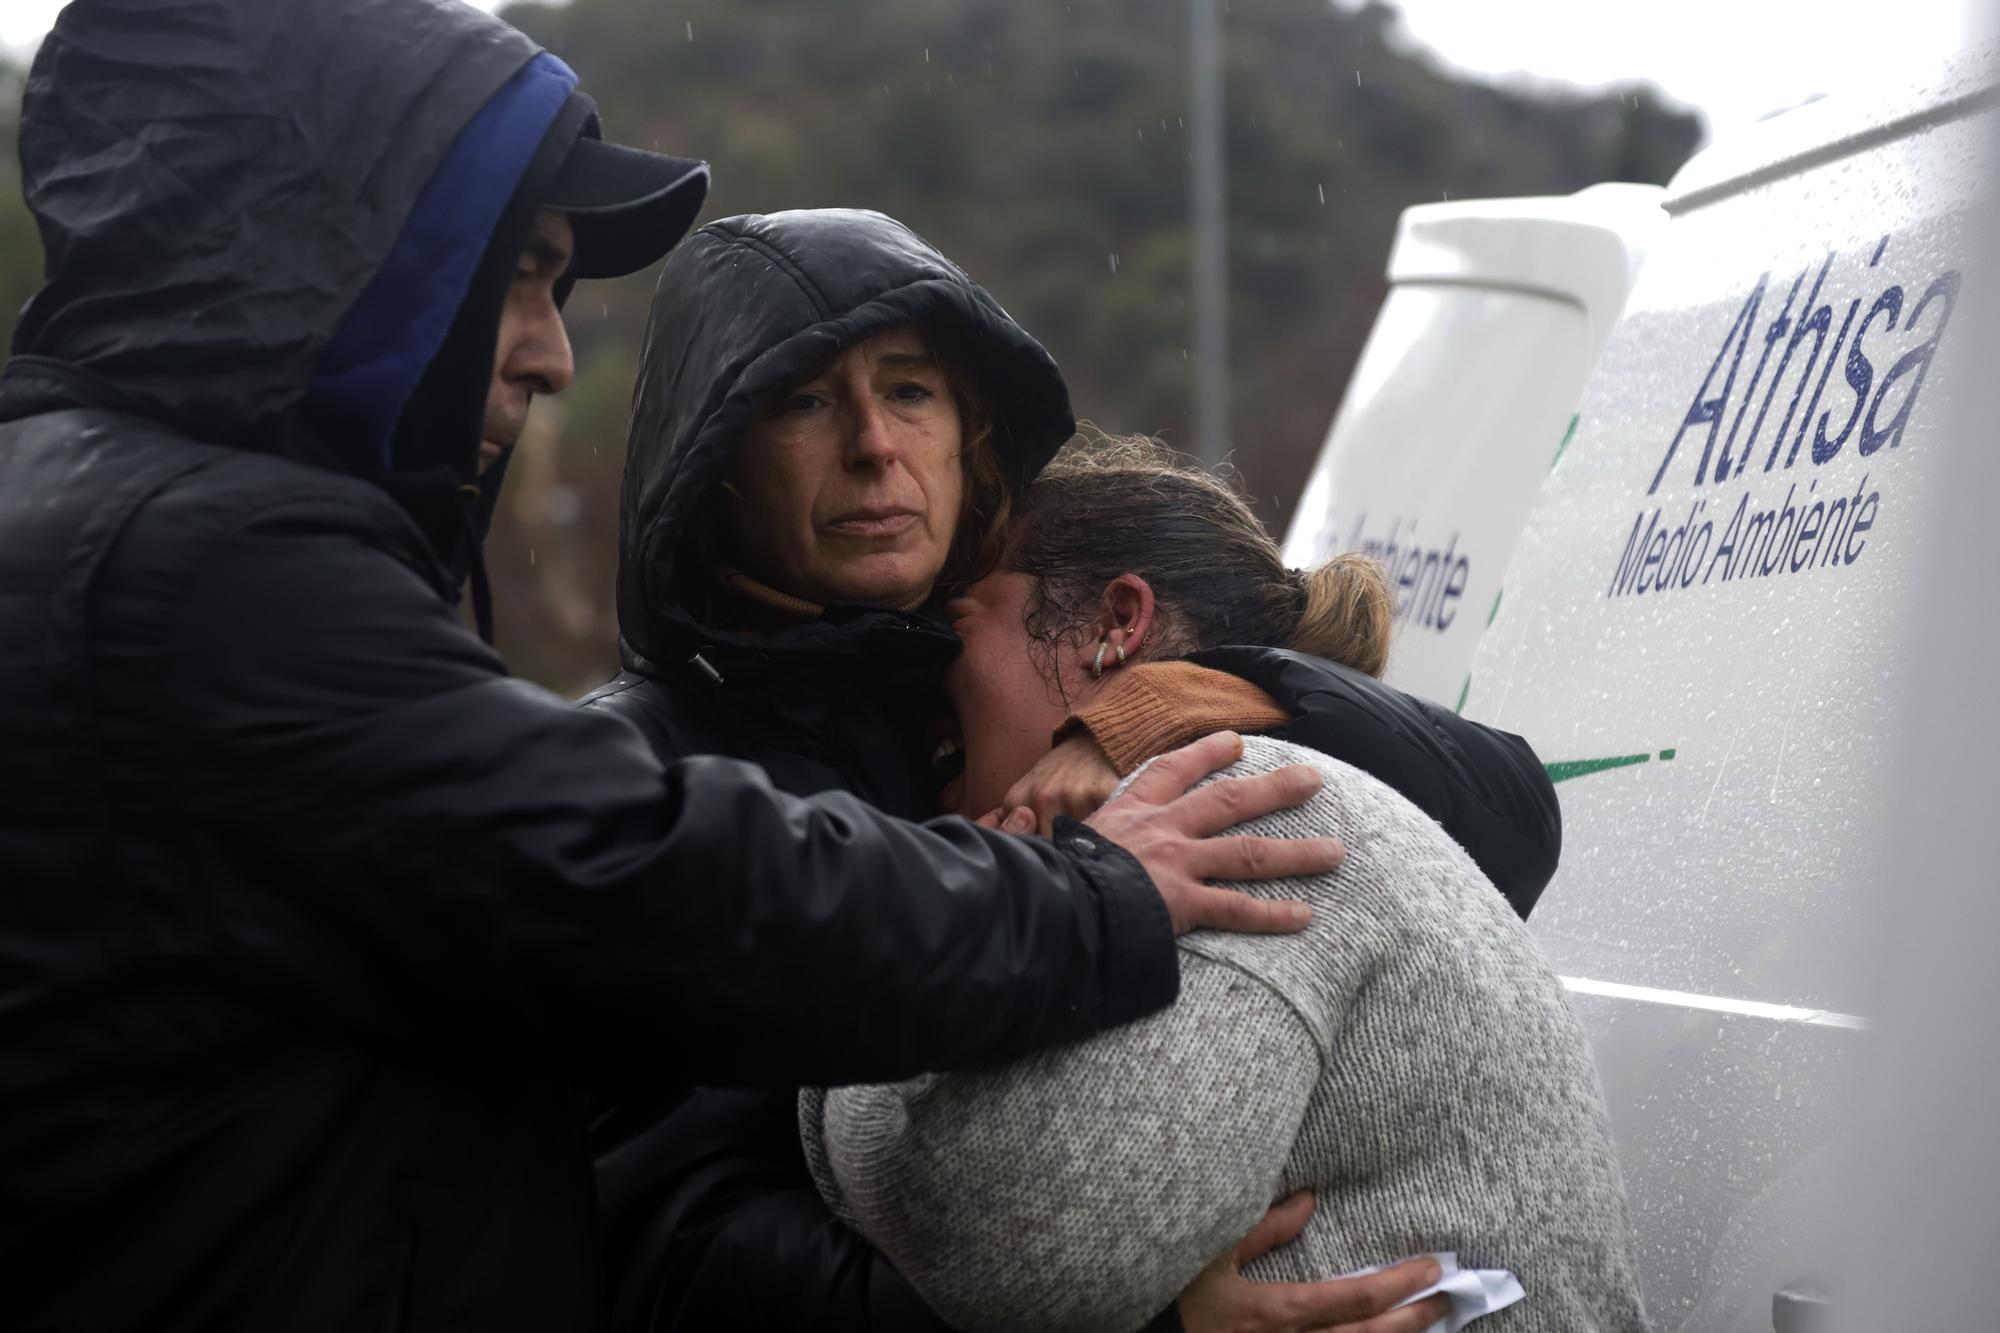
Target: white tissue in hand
(1473, 1291)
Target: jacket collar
(879, 645)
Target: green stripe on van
(1578, 768)
(1567, 436)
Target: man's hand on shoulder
(1171, 831)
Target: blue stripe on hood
(374, 360)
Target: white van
(1465, 390)
(1703, 634)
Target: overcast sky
(1734, 59)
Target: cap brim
(626, 206)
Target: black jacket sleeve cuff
(1141, 968)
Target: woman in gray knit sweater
(1409, 1057)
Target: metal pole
(1208, 189)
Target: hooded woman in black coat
(830, 421)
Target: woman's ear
(1125, 618)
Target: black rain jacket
(711, 1217)
(319, 935)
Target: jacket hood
(748, 305)
(247, 207)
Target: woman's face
(1006, 707)
(851, 484)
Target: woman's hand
(1222, 1300)
(1072, 779)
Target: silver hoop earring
(1097, 666)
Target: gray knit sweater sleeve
(1163, 1151)
(1409, 1056)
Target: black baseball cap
(626, 206)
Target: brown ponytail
(1345, 613)
(1108, 506)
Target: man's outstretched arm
(433, 830)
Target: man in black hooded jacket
(316, 929)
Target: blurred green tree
(20, 245)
